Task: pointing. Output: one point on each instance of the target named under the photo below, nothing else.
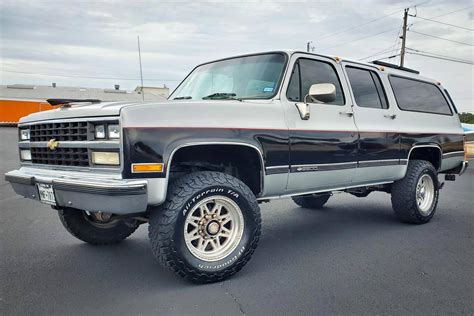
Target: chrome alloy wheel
(425, 193)
(213, 228)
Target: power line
(86, 77)
(361, 38)
(441, 38)
(358, 26)
(442, 58)
(397, 40)
(449, 24)
(445, 14)
(383, 51)
(389, 57)
(368, 22)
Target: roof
(31, 92)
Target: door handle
(390, 116)
(350, 114)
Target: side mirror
(321, 93)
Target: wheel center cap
(213, 228)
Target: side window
(293, 93)
(308, 72)
(367, 88)
(419, 96)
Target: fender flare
(427, 146)
(203, 143)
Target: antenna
(141, 72)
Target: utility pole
(404, 37)
(141, 72)
(309, 47)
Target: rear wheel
(96, 228)
(312, 201)
(208, 227)
(415, 197)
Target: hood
(80, 110)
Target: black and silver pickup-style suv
(237, 132)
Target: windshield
(249, 77)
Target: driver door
(323, 148)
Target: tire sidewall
(250, 225)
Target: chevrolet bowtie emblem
(52, 144)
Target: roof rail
(68, 101)
(389, 65)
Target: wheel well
(240, 161)
(431, 154)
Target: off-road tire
(312, 201)
(80, 227)
(166, 226)
(404, 193)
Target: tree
(466, 117)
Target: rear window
(419, 96)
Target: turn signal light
(147, 167)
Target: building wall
(12, 110)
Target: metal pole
(404, 37)
(141, 72)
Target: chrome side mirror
(321, 93)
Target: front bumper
(86, 192)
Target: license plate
(46, 193)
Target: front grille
(66, 131)
(61, 156)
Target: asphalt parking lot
(352, 257)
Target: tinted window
(311, 72)
(367, 88)
(293, 93)
(414, 95)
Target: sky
(94, 43)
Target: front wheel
(96, 228)
(208, 227)
(415, 197)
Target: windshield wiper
(221, 96)
(183, 98)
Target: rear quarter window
(419, 96)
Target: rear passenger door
(376, 118)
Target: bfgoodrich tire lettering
(406, 193)
(167, 235)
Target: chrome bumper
(464, 166)
(102, 193)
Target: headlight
(100, 131)
(25, 134)
(25, 154)
(105, 158)
(113, 131)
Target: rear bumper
(104, 194)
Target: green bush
(467, 118)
